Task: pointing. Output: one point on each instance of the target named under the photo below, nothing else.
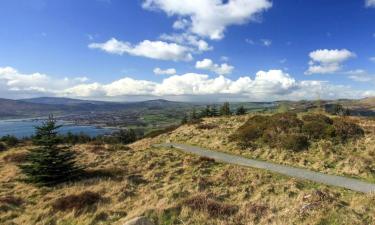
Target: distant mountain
(60, 101)
(16, 108)
(62, 106)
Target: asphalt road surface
(338, 181)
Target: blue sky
(246, 50)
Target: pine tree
(193, 115)
(184, 119)
(50, 163)
(206, 112)
(214, 111)
(240, 111)
(225, 109)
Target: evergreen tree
(225, 109)
(50, 163)
(193, 115)
(214, 111)
(206, 112)
(240, 111)
(184, 119)
(126, 136)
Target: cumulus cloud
(210, 18)
(195, 42)
(324, 61)
(208, 64)
(264, 86)
(170, 71)
(370, 3)
(149, 49)
(12, 81)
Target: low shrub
(214, 208)
(156, 133)
(286, 130)
(294, 142)
(9, 202)
(2, 147)
(346, 129)
(10, 140)
(206, 126)
(17, 157)
(80, 202)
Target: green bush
(294, 142)
(286, 130)
(346, 129)
(2, 147)
(10, 140)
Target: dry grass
(80, 203)
(354, 158)
(171, 187)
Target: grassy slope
(157, 182)
(355, 159)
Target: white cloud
(372, 59)
(170, 71)
(250, 41)
(262, 42)
(188, 39)
(149, 49)
(208, 64)
(370, 3)
(209, 18)
(361, 76)
(12, 81)
(264, 86)
(266, 42)
(324, 61)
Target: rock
(139, 221)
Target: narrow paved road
(338, 181)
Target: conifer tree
(240, 111)
(49, 163)
(184, 119)
(225, 109)
(214, 111)
(193, 115)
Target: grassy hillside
(171, 187)
(354, 158)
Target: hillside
(171, 187)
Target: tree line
(213, 111)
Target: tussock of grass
(212, 207)
(16, 157)
(77, 202)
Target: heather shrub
(79, 203)
(2, 147)
(10, 140)
(214, 208)
(206, 126)
(287, 131)
(346, 129)
(294, 142)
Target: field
(171, 187)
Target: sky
(196, 50)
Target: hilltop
(171, 187)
